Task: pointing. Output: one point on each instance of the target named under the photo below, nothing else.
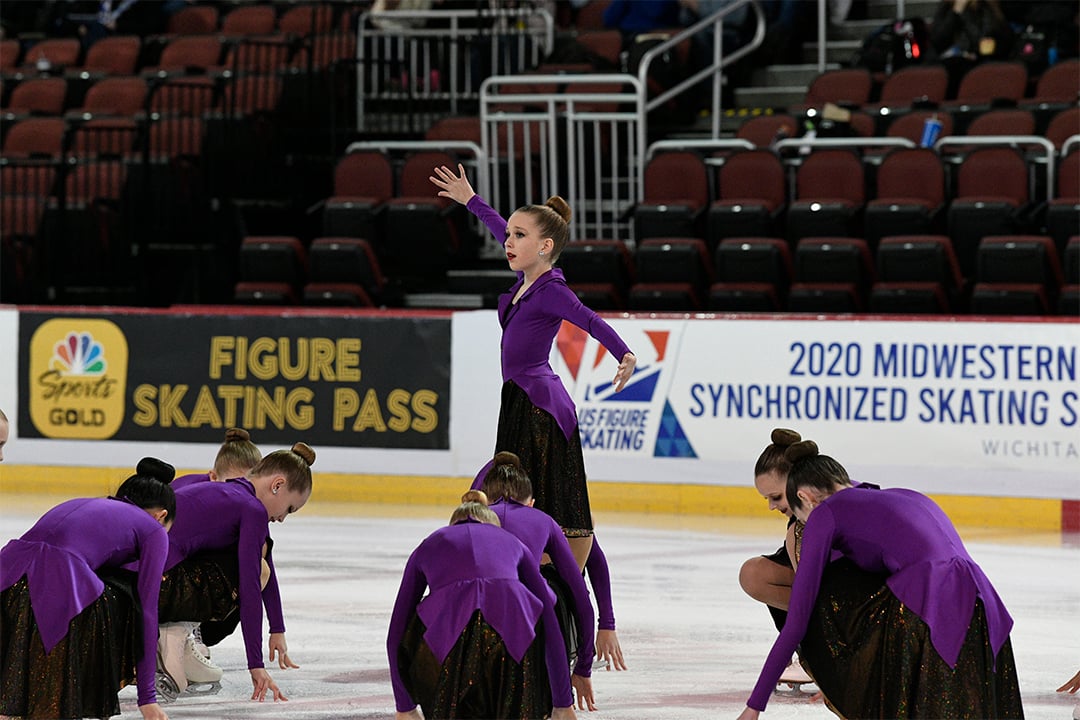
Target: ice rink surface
(694, 643)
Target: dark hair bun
(560, 206)
(476, 496)
(304, 450)
(157, 469)
(782, 437)
(800, 450)
(237, 435)
(507, 458)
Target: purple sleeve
(495, 222)
(565, 564)
(816, 548)
(271, 597)
(554, 646)
(567, 305)
(600, 579)
(411, 590)
(253, 534)
(152, 551)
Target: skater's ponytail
(772, 457)
(149, 487)
(812, 470)
(506, 480)
(237, 455)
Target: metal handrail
(1069, 142)
(1007, 141)
(709, 144)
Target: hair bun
(477, 496)
(507, 458)
(800, 450)
(560, 206)
(157, 469)
(237, 435)
(304, 450)
(782, 437)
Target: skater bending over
(932, 638)
(509, 492)
(537, 418)
(215, 559)
(69, 611)
(484, 641)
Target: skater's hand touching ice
(608, 650)
(455, 187)
(626, 369)
(584, 692)
(279, 648)
(152, 711)
(749, 714)
(563, 713)
(1072, 685)
(413, 714)
(263, 684)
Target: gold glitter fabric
(80, 677)
(555, 466)
(871, 656)
(478, 679)
(201, 588)
(565, 611)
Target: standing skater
(70, 617)
(215, 558)
(484, 641)
(537, 418)
(932, 641)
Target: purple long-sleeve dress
(529, 329)
(905, 535)
(540, 534)
(219, 516)
(473, 566)
(61, 554)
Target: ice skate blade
(200, 688)
(795, 688)
(166, 688)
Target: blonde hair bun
(476, 496)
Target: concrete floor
(693, 641)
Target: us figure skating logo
(637, 420)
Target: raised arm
(459, 189)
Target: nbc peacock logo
(78, 370)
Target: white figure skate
(180, 667)
(793, 679)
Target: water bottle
(930, 131)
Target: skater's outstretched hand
(455, 187)
(281, 649)
(152, 711)
(749, 714)
(263, 684)
(584, 692)
(626, 369)
(608, 650)
(1072, 686)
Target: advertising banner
(371, 381)
(939, 403)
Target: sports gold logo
(78, 368)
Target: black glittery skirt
(565, 611)
(478, 679)
(202, 588)
(554, 464)
(82, 674)
(871, 656)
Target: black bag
(893, 46)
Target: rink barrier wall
(332, 490)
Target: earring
(541, 252)
(274, 490)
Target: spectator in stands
(964, 33)
(638, 17)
